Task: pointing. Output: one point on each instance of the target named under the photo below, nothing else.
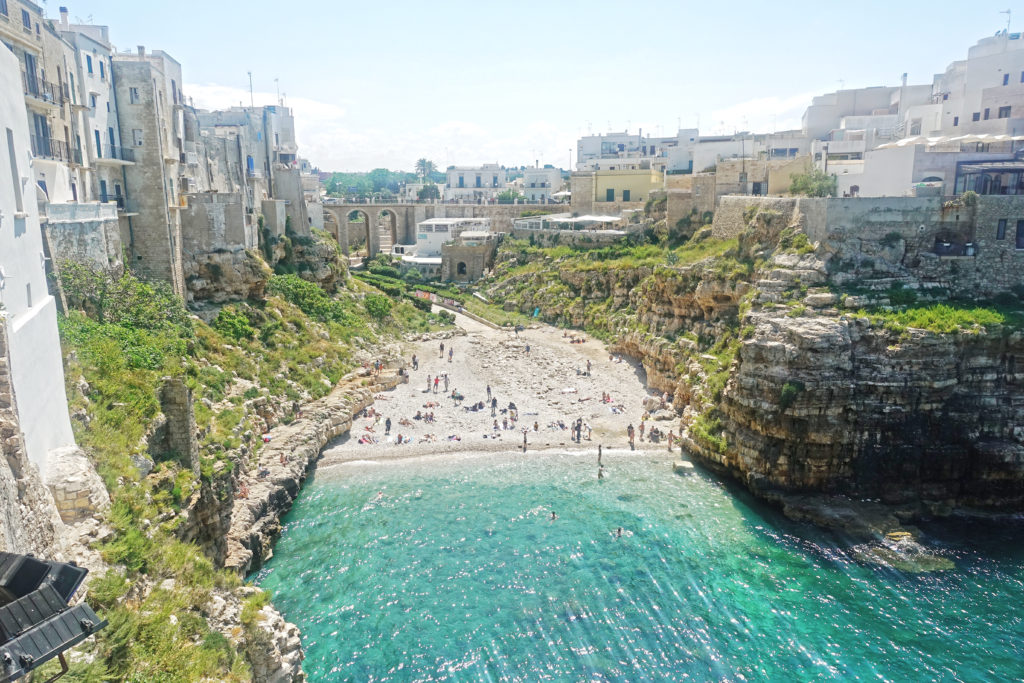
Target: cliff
(822, 374)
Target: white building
(431, 236)
(475, 184)
(540, 183)
(27, 311)
(672, 153)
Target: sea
(513, 567)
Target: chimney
(64, 18)
(142, 51)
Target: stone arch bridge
(386, 224)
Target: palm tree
(424, 167)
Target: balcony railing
(41, 90)
(116, 152)
(254, 173)
(48, 148)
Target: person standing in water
(599, 455)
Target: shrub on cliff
(377, 305)
(814, 183)
(309, 297)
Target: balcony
(48, 148)
(113, 154)
(124, 206)
(255, 174)
(40, 94)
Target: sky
(382, 84)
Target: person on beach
(442, 350)
(429, 380)
(450, 352)
(588, 367)
(598, 455)
(671, 440)
(415, 363)
(387, 426)
(527, 349)
(642, 427)
(536, 426)
(437, 381)
(630, 432)
(488, 392)
(524, 441)
(446, 381)
(494, 407)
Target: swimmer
(553, 516)
(618, 533)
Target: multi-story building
(540, 183)
(31, 367)
(475, 183)
(618, 151)
(150, 114)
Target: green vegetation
(123, 337)
(789, 393)
(428, 191)
(944, 318)
(814, 183)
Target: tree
(429, 192)
(424, 167)
(508, 196)
(377, 305)
(814, 183)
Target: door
(609, 195)
(99, 147)
(103, 190)
(31, 82)
(625, 195)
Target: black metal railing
(40, 89)
(49, 148)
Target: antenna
(1008, 14)
(252, 103)
(278, 86)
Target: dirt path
(548, 384)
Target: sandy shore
(547, 384)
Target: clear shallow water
(450, 569)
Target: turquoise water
(451, 569)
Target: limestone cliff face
(844, 406)
(781, 382)
(221, 276)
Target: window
(625, 195)
(956, 121)
(88, 64)
(26, 20)
(1020, 234)
(1006, 79)
(136, 137)
(609, 195)
(975, 116)
(1001, 229)
(986, 113)
(133, 96)
(99, 147)
(1004, 112)
(103, 73)
(92, 100)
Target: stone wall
(213, 221)
(84, 233)
(29, 521)
(575, 238)
(274, 216)
(896, 237)
(475, 260)
(177, 437)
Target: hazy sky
(384, 83)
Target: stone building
(468, 256)
(150, 115)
